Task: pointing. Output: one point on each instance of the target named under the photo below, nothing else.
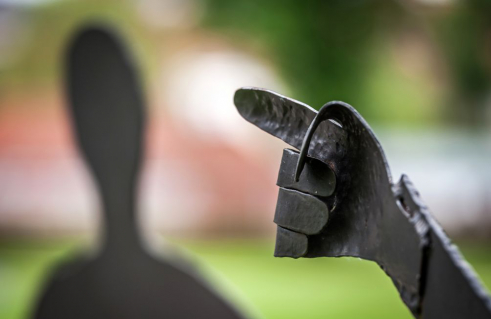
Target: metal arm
(337, 198)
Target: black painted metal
(369, 216)
(317, 178)
(301, 212)
(123, 279)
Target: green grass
(248, 274)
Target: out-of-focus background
(419, 71)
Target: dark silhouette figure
(122, 280)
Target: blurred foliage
(398, 62)
(465, 37)
(321, 47)
(328, 50)
(246, 271)
(50, 27)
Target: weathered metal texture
(301, 212)
(368, 215)
(316, 178)
(123, 279)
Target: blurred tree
(325, 51)
(321, 47)
(464, 34)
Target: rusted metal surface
(368, 215)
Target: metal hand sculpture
(337, 198)
(122, 280)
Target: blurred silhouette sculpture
(122, 280)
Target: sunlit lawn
(247, 272)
